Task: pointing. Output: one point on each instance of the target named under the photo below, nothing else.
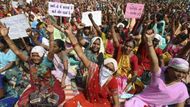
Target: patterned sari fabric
(14, 84)
(43, 81)
(13, 81)
(125, 74)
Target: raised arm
(114, 35)
(4, 33)
(8, 66)
(50, 29)
(153, 57)
(94, 24)
(77, 47)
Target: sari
(40, 79)
(95, 95)
(127, 81)
(13, 81)
(109, 47)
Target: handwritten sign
(60, 9)
(17, 24)
(97, 17)
(134, 10)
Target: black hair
(60, 44)
(159, 17)
(39, 23)
(130, 40)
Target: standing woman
(165, 83)
(101, 86)
(40, 67)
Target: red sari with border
(95, 95)
(54, 87)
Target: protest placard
(97, 17)
(60, 9)
(15, 4)
(134, 10)
(29, 1)
(17, 24)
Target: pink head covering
(113, 61)
(179, 64)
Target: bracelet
(74, 45)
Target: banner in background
(134, 10)
(60, 9)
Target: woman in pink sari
(166, 87)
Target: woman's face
(110, 66)
(109, 34)
(128, 47)
(96, 46)
(56, 48)
(36, 58)
(86, 31)
(174, 73)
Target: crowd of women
(121, 63)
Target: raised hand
(50, 28)
(68, 29)
(149, 35)
(3, 30)
(90, 16)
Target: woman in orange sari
(101, 87)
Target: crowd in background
(125, 62)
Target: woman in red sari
(101, 89)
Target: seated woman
(10, 77)
(128, 68)
(40, 66)
(101, 85)
(165, 83)
(95, 51)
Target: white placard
(15, 4)
(97, 17)
(60, 9)
(29, 1)
(17, 24)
